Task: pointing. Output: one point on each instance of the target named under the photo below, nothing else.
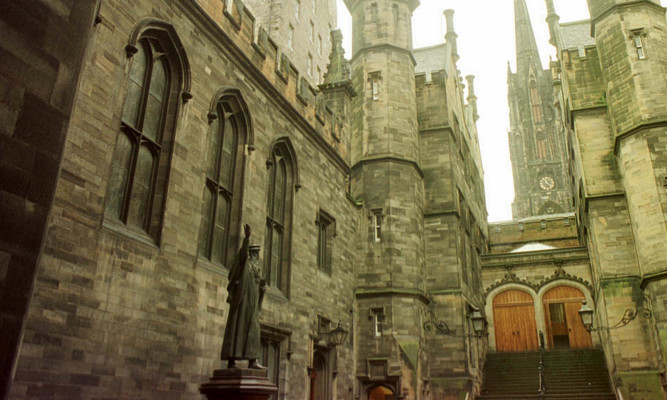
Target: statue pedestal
(238, 384)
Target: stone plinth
(238, 384)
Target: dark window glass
(271, 360)
(223, 177)
(141, 189)
(135, 87)
(279, 198)
(140, 162)
(325, 234)
(119, 175)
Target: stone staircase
(568, 375)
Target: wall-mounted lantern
(478, 323)
(586, 314)
(336, 336)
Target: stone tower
(631, 40)
(632, 46)
(612, 69)
(537, 148)
(386, 175)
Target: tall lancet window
(535, 102)
(224, 172)
(140, 165)
(281, 176)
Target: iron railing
(540, 369)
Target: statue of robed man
(246, 291)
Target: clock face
(547, 183)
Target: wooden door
(569, 299)
(381, 393)
(514, 321)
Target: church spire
(526, 47)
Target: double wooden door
(514, 321)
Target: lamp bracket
(434, 327)
(628, 316)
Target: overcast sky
(485, 31)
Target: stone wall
(277, 16)
(552, 230)
(455, 229)
(42, 46)
(115, 314)
(616, 106)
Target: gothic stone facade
(536, 140)
(609, 88)
(611, 73)
(153, 130)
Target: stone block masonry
(42, 48)
(115, 314)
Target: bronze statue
(246, 291)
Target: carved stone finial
(338, 69)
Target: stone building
(609, 90)
(137, 139)
(302, 27)
(611, 76)
(537, 147)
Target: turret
(472, 98)
(387, 177)
(451, 35)
(376, 23)
(598, 8)
(631, 41)
(552, 21)
(338, 91)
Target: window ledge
(323, 272)
(276, 295)
(211, 267)
(123, 230)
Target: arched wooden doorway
(319, 382)
(381, 393)
(514, 321)
(561, 316)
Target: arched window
(230, 124)
(282, 177)
(542, 146)
(141, 159)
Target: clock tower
(536, 138)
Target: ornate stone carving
(559, 274)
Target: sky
(485, 30)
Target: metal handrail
(540, 369)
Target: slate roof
(430, 58)
(576, 35)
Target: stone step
(574, 374)
(568, 396)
